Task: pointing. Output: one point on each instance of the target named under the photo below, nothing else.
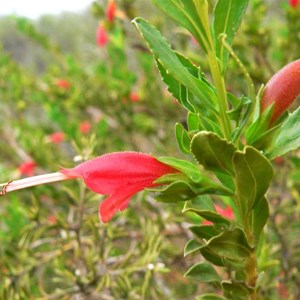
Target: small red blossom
(85, 127)
(110, 11)
(227, 213)
(52, 219)
(294, 3)
(62, 83)
(101, 36)
(134, 97)
(56, 137)
(279, 160)
(27, 168)
(119, 175)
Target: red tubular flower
(110, 11)
(27, 168)
(101, 36)
(119, 175)
(294, 3)
(282, 90)
(56, 137)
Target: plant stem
(218, 79)
(251, 263)
(221, 93)
(31, 181)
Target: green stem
(251, 263)
(221, 93)
(218, 79)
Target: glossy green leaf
(253, 175)
(186, 167)
(209, 215)
(210, 296)
(236, 290)
(204, 95)
(175, 192)
(289, 136)
(213, 152)
(193, 121)
(208, 124)
(259, 127)
(227, 19)
(204, 231)
(260, 217)
(211, 256)
(183, 140)
(192, 246)
(185, 13)
(203, 272)
(231, 244)
(203, 202)
(177, 90)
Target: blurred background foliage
(65, 99)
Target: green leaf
(236, 290)
(203, 202)
(257, 131)
(259, 218)
(253, 175)
(289, 136)
(193, 121)
(182, 138)
(175, 192)
(210, 297)
(204, 231)
(203, 272)
(192, 246)
(205, 97)
(185, 13)
(211, 256)
(231, 244)
(209, 215)
(175, 88)
(227, 19)
(213, 152)
(186, 167)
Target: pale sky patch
(35, 8)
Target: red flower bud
(27, 168)
(111, 11)
(119, 175)
(56, 137)
(101, 36)
(294, 3)
(282, 89)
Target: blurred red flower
(110, 11)
(134, 97)
(62, 83)
(294, 3)
(101, 36)
(27, 168)
(119, 175)
(85, 127)
(52, 219)
(56, 137)
(225, 212)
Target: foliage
(71, 100)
